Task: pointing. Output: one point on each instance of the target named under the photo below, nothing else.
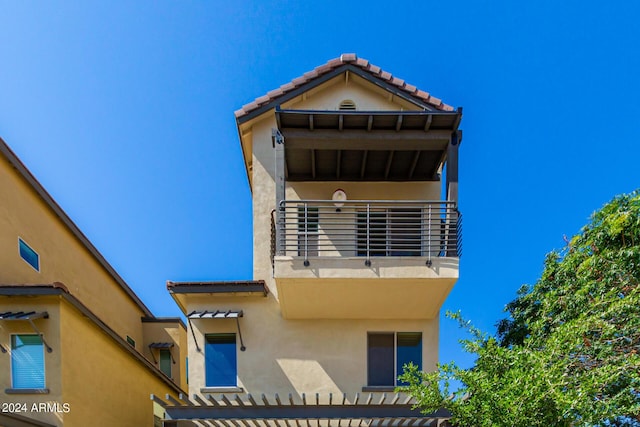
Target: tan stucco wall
(296, 356)
(167, 332)
(62, 257)
(51, 329)
(102, 382)
(286, 355)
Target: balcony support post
(451, 223)
(452, 167)
(278, 144)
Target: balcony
(365, 259)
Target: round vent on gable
(347, 104)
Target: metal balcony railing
(367, 228)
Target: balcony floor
(345, 288)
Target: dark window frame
(379, 375)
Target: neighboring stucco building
(77, 346)
(355, 250)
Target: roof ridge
(332, 64)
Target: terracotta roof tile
(374, 69)
(361, 62)
(410, 88)
(385, 75)
(299, 81)
(398, 82)
(435, 101)
(310, 74)
(423, 95)
(345, 58)
(263, 99)
(348, 57)
(321, 69)
(275, 93)
(250, 106)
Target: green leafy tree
(568, 354)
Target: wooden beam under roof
(359, 144)
(313, 163)
(363, 165)
(414, 163)
(387, 168)
(286, 167)
(399, 123)
(427, 125)
(338, 159)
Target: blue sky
(124, 112)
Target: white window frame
(20, 239)
(44, 361)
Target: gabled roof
(346, 61)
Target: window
(27, 362)
(29, 255)
(220, 360)
(165, 362)
(387, 353)
(307, 231)
(131, 341)
(393, 232)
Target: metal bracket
(276, 137)
(49, 349)
(170, 354)
(194, 335)
(242, 347)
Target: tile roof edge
(344, 59)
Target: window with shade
(220, 360)
(388, 353)
(27, 362)
(165, 362)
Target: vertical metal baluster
(429, 262)
(306, 234)
(368, 261)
